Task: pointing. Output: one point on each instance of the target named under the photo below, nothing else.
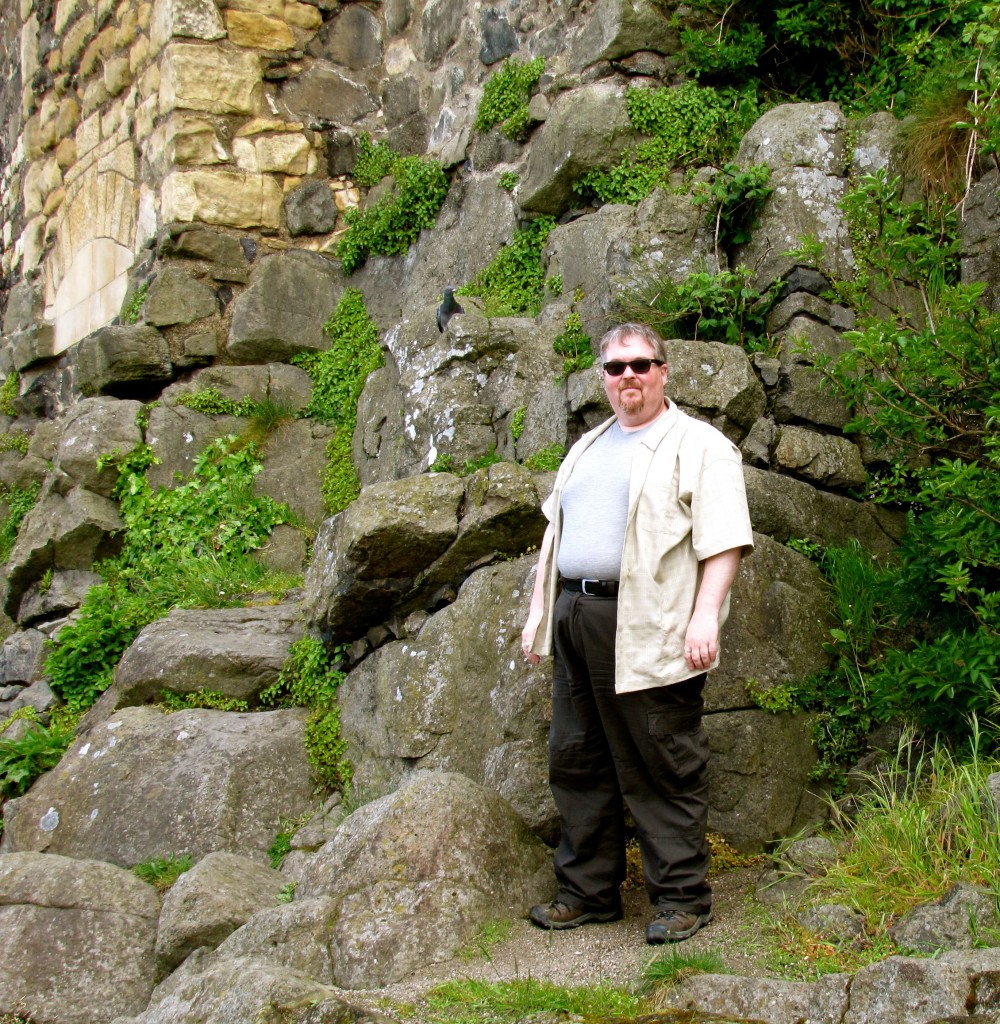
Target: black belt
(592, 588)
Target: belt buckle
(586, 592)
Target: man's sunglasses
(616, 367)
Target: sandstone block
(259, 31)
(287, 153)
(193, 19)
(217, 81)
(225, 198)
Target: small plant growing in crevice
(309, 679)
(338, 376)
(508, 181)
(733, 201)
(162, 872)
(512, 284)
(20, 501)
(9, 392)
(212, 700)
(393, 223)
(573, 344)
(36, 752)
(547, 459)
(506, 95)
(132, 310)
(15, 441)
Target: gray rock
(805, 395)
(22, 656)
(832, 461)
(956, 921)
(783, 507)
(813, 855)
(209, 902)
(310, 209)
(980, 244)
(120, 360)
(248, 992)
(715, 379)
(238, 652)
(144, 784)
(178, 435)
(439, 26)
(833, 922)
(421, 702)
(619, 28)
(903, 990)
(70, 532)
(499, 39)
(92, 428)
(286, 551)
(586, 128)
(76, 939)
(442, 848)
(758, 999)
(757, 445)
(352, 38)
(177, 297)
(31, 347)
(25, 306)
(283, 309)
(803, 144)
(367, 558)
(295, 460)
(223, 252)
(324, 92)
(48, 599)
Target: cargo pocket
(682, 742)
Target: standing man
(648, 521)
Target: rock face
(76, 937)
(145, 784)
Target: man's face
(637, 399)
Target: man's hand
(528, 635)
(701, 643)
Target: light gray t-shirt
(595, 508)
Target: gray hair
(646, 333)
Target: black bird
(448, 308)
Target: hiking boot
(560, 915)
(675, 925)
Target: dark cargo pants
(647, 748)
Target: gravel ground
(615, 952)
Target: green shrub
(375, 161)
(713, 307)
(513, 283)
(174, 541)
(392, 224)
(37, 751)
(308, 679)
(338, 377)
(506, 95)
(733, 202)
(690, 125)
(9, 392)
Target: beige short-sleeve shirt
(687, 502)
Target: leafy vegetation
(547, 459)
(733, 201)
(508, 180)
(445, 463)
(163, 871)
(37, 751)
(506, 95)
(391, 225)
(186, 547)
(310, 680)
(211, 699)
(131, 312)
(19, 501)
(512, 284)
(573, 343)
(15, 441)
(338, 376)
(713, 307)
(690, 126)
(9, 392)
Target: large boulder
(407, 879)
(92, 428)
(76, 939)
(805, 146)
(238, 652)
(586, 128)
(248, 992)
(458, 697)
(176, 297)
(283, 310)
(144, 784)
(209, 902)
(618, 28)
(122, 361)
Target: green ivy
(392, 224)
(506, 95)
(573, 343)
(375, 161)
(690, 125)
(513, 283)
(308, 679)
(184, 547)
(212, 402)
(212, 700)
(338, 377)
